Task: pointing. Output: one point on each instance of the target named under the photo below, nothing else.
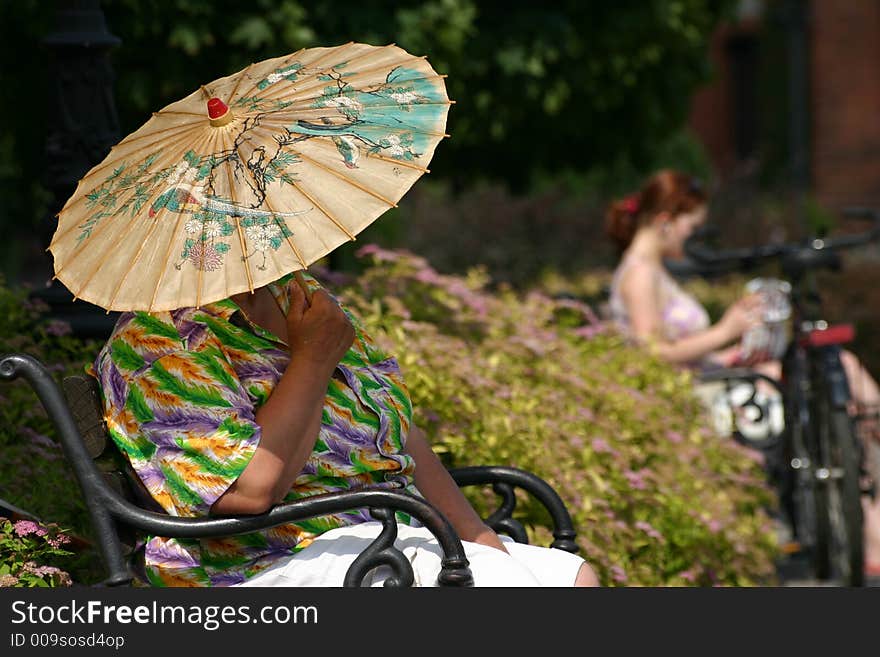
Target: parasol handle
(298, 277)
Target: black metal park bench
(120, 507)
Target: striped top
(181, 390)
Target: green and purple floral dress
(181, 390)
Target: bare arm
(439, 488)
(641, 297)
(318, 335)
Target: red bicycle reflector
(837, 334)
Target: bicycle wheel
(839, 548)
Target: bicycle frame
(812, 373)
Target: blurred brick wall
(845, 112)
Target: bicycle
(819, 461)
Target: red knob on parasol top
(218, 112)
(216, 108)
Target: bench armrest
(503, 480)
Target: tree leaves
(538, 88)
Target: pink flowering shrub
(26, 547)
(539, 383)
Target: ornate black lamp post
(83, 126)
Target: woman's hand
(320, 331)
(742, 315)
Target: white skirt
(326, 560)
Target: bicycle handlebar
(808, 254)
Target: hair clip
(631, 204)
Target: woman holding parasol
(233, 383)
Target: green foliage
(820, 220)
(22, 141)
(33, 472)
(538, 87)
(540, 384)
(26, 548)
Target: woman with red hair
(646, 303)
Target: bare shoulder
(639, 277)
